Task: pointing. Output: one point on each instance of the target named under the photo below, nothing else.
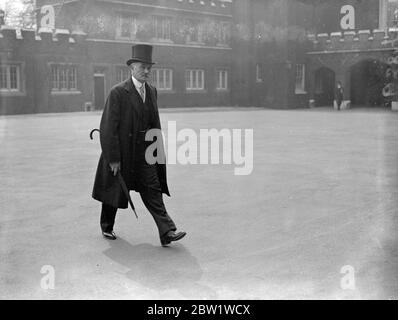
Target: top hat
(141, 53)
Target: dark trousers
(146, 180)
(338, 102)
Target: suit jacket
(118, 135)
(338, 93)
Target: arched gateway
(324, 87)
(358, 60)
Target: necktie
(142, 92)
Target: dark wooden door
(99, 91)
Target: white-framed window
(222, 79)
(195, 30)
(224, 33)
(63, 77)
(161, 27)
(389, 12)
(162, 79)
(195, 79)
(10, 78)
(126, 27)
(72, 81)
(122, 73)
(259, 72)
(300, 79)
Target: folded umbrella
(126, 191)
(121, 182)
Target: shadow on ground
(161, 268)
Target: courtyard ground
(316, 219)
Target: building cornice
(166, 8)
(350, 51)
(159, 44)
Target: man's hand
(115, 167)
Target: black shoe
(171, 236)
(109, 235)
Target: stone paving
(316, 219)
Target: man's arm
(109, 131)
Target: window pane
(155, 26)
(200, 32)
(194, 79)
(120, 75)
(168, 80)
(193, 29)
(300, 85)
(54, 75)
(161, 79)
(222, 79)
(133, 21)
(73, 78)
(160, 31)
(155, 77)
(224, 32)
(171, 80)
(13, 77)
(70, 76)
(161, 26)
(3, 77)
(259, 72)
(62, 78)
(125, 74)
(188, 79)
(167, 28)
(200, 79)
(125, 26)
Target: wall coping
(350, 40)
(48, 34)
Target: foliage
(180, 31)
(20, 14)
(390, 91)
(242, 32)
(144, 28)
(95, 25)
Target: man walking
(130, 111)
(339, 92)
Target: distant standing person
(130, 111)
(339, 95)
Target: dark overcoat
(118, 135)
(338, 94)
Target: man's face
(141, 71)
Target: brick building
(352, 42)
(80, 57)
(268, 53)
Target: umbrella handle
(91, 133)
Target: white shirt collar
(137, 84)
